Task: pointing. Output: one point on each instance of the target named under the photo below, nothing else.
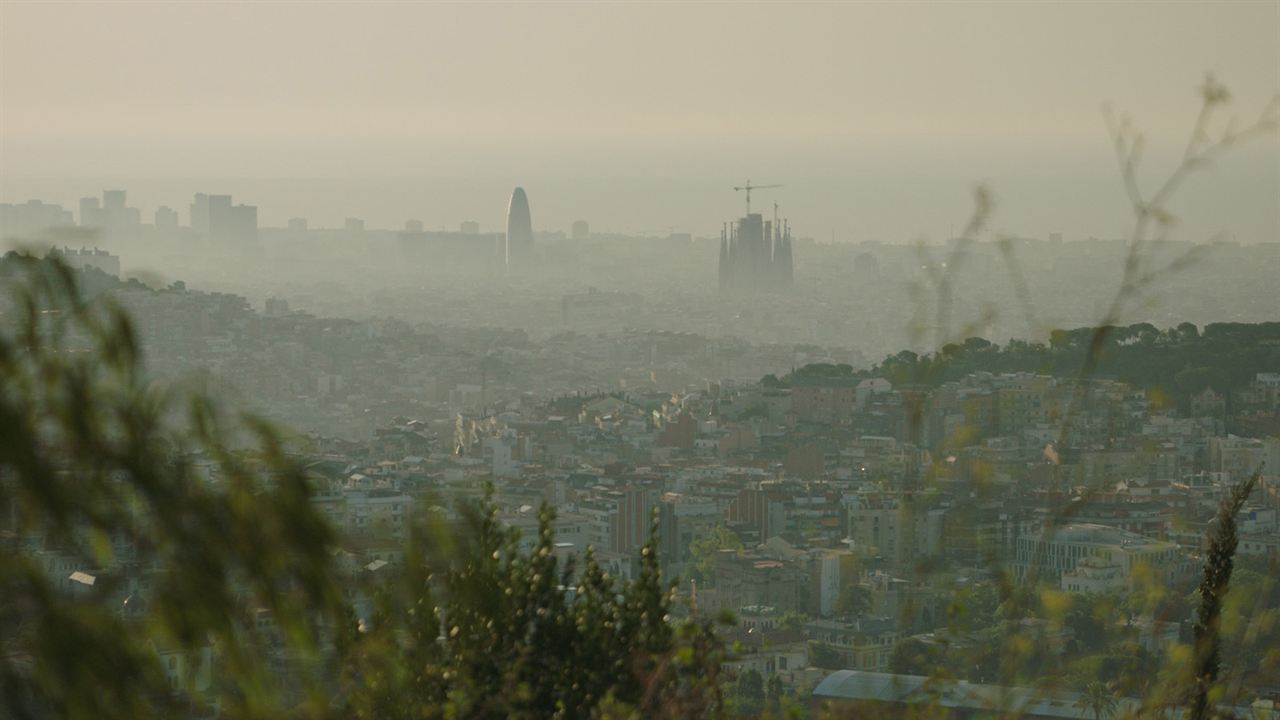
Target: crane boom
(749, 187)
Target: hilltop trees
(97, 470)
(1180, 360)
(97, 473)
(476, 628)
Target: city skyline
(874, 136)
(713, 360)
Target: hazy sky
(637, 117)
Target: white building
(1048, 555)
(1094, 576)
(501, 452)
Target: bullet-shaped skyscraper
(519, 232)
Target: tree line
(1180, 361)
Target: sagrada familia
(755, 256)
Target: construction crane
(749, 187)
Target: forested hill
(90, 281)
(1180, 361)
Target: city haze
(877, 117)
(708, 360)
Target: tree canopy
(202, 521)
(1181, 360)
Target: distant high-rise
(469, 227)
(580, 230)
(199, 213)
(113, 200)
(166, 217)
(31, 218)
(298, 224)
(519, 231)
(755, 256)
(276, 307)
(112, 213)
(210, 213)
(413, 226)
(214, 217)
(353, 224)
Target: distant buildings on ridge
(755, 254)
(215, 218)
(87, 258)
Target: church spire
(725, 268)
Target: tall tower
(755, 256)
(726, 271)
(519, 231)
(784, 270)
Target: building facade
(755, 256)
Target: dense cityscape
(433, 361)
(836, 507)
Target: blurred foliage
(703, 551)
(102, 470)
(207, 521)
(1218, 567)
(1098, 699)
(854, 599)
(522, 635)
